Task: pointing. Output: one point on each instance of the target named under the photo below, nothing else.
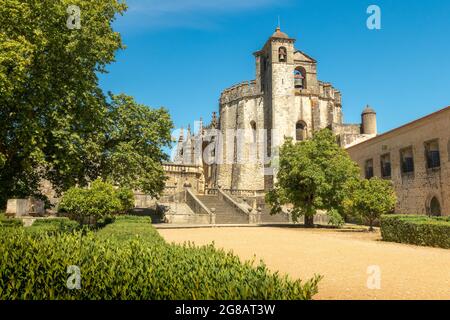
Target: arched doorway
(434, 208)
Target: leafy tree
(133, 148)
(51, 105)
(313, 175)
(55, 122)
(373, 198)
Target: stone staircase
(266, 218)
(225, 213)
(278, 218)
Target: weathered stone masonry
(416, 157)
(286, 100)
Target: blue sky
(182, 53)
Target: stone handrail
(211, 191)
(194, 203)
(242, 192)
(169, 190)
(238, 207)
(181, 168)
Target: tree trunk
(309, 221)
(371, 225)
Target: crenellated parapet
(328, 92)
(239, 91)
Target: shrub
(126, 198)
(97, 203)
(372, 198)
(418, 230)
(125, 262)
(336, 219)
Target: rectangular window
(385, 162)
(369, 169)
(407, 160)
(432, 154)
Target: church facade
(238, 149)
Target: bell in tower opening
(298, 79)
(282, 54)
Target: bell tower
(275, 78)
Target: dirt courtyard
(342, 257)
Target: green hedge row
(54, 225)
(9, 222)
(418, 230)
(128, 259)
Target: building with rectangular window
(416, 157)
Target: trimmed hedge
(130, 260)
(54, 225)
(9, 222)
(418, 230)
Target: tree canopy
(55, 121)
(132, 154)
(373, 198)
(313, 175)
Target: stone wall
(350, 134)
(180, 175)
(414, 190)
(25, 207)
(241, 160)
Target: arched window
(434, 208)
(253, 126)
(282, 54)
(300, 131)
(300, 78)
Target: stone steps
(225, 214)
(266, 217)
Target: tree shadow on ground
(347, 229)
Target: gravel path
(342, 257)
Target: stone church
(220, 172)
(236, 151)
